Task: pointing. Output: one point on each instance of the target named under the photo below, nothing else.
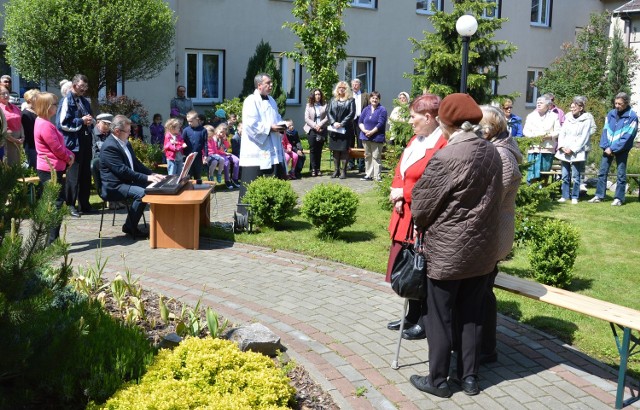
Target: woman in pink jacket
(52, 153)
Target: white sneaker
(594, 200)
(616, 202)
(562, 200)
(574, 201)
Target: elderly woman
(14, 135)
(514, 123)
(315, 125)
(50, 148)
(427, 140)
(28, 120)
(495, 129)
(373, 124)
(341, 112)
(457, 204)
(573, 145)
(541, 123)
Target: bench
(620, 318)
(556, 174)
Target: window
(290, 71)
(541, 13)
(492, 10)
(491, 72)
(367, 4)
(204, 76)
(361, 68)
(429, 6)
(533, 74)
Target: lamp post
(466, 26)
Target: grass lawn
(606, 267)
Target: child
(215, 161)
(174, 146)
(195, 136)
(230, 159)
(296, 145)
(235, 141)
(289, 155)
(232, 122)
(157, 130)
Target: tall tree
(581, 69)
(438, 66)
(263, 61)
(108, 41)
(322, 40)
(623, 63)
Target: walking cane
(394, 364)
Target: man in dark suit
(123, 175)
(362, 100)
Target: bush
(330, 207)
(232, 106)
(149, 154)
(121, 104)
(272, 200)
(553, 254)
(207, 373)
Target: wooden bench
(556, 174)
(620, 318)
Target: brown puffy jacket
(457, 201)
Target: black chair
(97, 180)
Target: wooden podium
(176, 219)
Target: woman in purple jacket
(373, 123)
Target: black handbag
(409, 273)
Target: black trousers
(45, 177)
(489, 327)
(462, 300)
(78, 183)
(315, 150)
(196, 168)
(250, 174)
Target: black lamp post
(466, 27)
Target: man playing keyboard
(123, 175)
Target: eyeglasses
(83, 87)
(4, 94)
(507, 108)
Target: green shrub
(554, 252)
(272, 200)
(121, 104)
(149, 154)
(330, 207)
(230, 106)
(207, 373)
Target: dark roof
(629, 8)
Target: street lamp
(466, 26)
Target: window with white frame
(541, 13)
(429, 6)
(533, 74)
(491, 71)
(290, 72)
(367, 4)
(360, 68)
(492, 9)
(204, 75)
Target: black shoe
(89, 211)
(135, 233)
(422, 383)
(415, 332)
(395, 325)
(74, 212)
(469, 385)
(488, 357)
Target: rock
(170, 341)
(257, 338)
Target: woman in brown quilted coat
(457, 202)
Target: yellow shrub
(206, 374)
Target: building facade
(216, 38)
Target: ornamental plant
(554, 252)
(129, 107)
(330, 208)
(206, 373)
(272, 200)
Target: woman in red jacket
(426, 141)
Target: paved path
(332, 317)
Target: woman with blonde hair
(50, 148)
(341, 112)
(496, 130)
(28, 119)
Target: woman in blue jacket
(373, 123)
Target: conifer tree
(437, 68)
(322, 40)
(622, 64)
(264, 62)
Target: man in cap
(101, 132)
